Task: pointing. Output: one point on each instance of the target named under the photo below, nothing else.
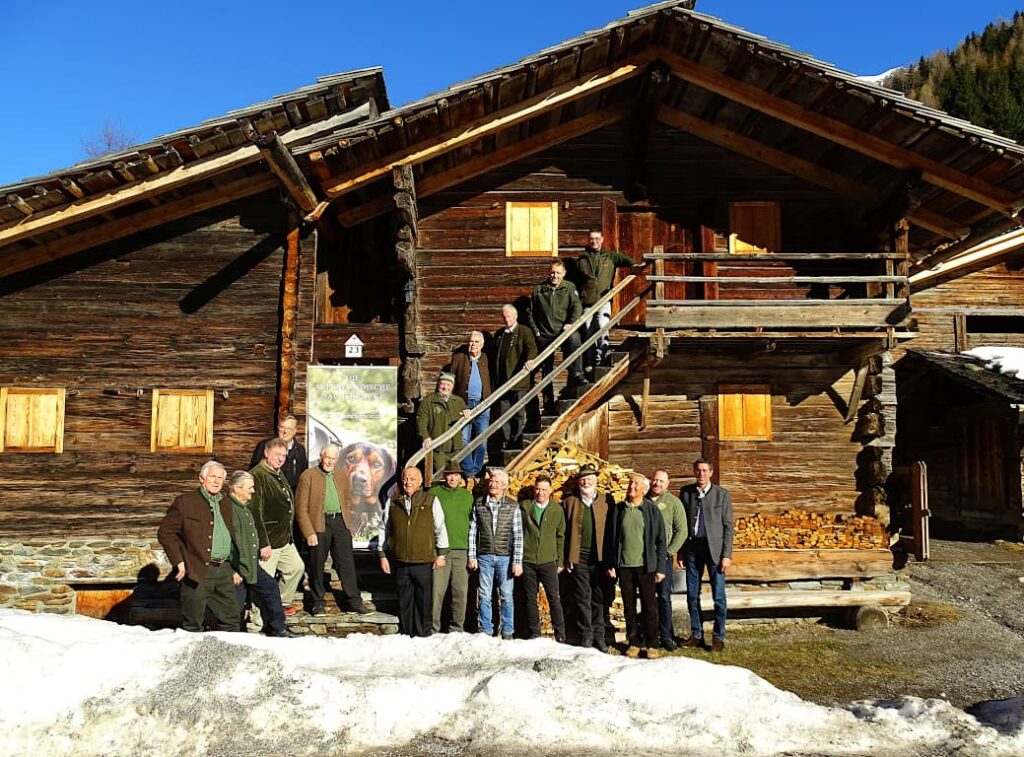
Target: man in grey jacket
(709, 546)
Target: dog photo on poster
(356, 408)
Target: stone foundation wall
(40, 575)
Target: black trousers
(569, 346)
(415, 584)
(336, 541)
(266, 595)
(513, 428)
(534, 576)
(593, 593)
(633, 582)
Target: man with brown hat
(437, 413)
(457, 504)
(323, 510)
(586, 515)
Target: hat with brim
(452, 468)
(587, 470)
(445, 376)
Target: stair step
(527, 438)
(565, 405)
(508, 455)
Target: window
(744, 412)
(32, 420)
(755, 227)
(182, 420)
(531, 229)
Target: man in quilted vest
(413, 537)
(496, 550)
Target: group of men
(433, 540)
(554, 307)
(237, 554)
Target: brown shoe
(653, 654)
(633, 652)
(717, 645)
(695, 642)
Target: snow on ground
(1006, 360)
(76, 686)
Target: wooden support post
(284, 167)
(407, 215)
(645, 398)
(289, 313)
(709, 432)
(858, 390)
(960, 332)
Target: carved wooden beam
(284, 167)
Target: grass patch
(1012, 546)
(924, 614)
(818, 666)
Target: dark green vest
(411, 537)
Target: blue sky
(153, 68)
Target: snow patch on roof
(1006, 360)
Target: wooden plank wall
(808, 464)
(996, 290)
(465, 276)
(192, 305)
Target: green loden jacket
(596, 272)
(273, 506)
(551, 308)
(435, 416)
(516, 348)
(543, 542)
(245, 543)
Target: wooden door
(636, 233)
(986, 472)
(755, 227)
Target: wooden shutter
(744, 412)
(755, 227)
(531, 229)
(182, 420)
(32, 420)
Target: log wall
(194, 304)
(464, 276)
(996, 291)
(810, 461)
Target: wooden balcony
(797, 293)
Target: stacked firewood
(562, 461)
(799, 529)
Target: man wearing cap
(586, 515)
(543, 556)
(413, 543)
(457, 504)
(324, 514)
(196, 534)
(496, 549)
(472, 373)
(675, 534)
(437, 413)
(514, 349)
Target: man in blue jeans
(709, 547)
(496, 550)
(473, 384)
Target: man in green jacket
(514, 348)
(437, 413)
(457, 504)
(249, 577)
(674, 513)
(595, 271)
(554, 307)
(637, 547)
(543, 556)
(273, 506)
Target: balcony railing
(779, 291)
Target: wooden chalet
(780, 205)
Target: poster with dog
(356, 408)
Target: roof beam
(283, 165)
(844, 134)
(141, 221)
(482, 127)
(804, 169)
(983, 256)
(484, 163)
